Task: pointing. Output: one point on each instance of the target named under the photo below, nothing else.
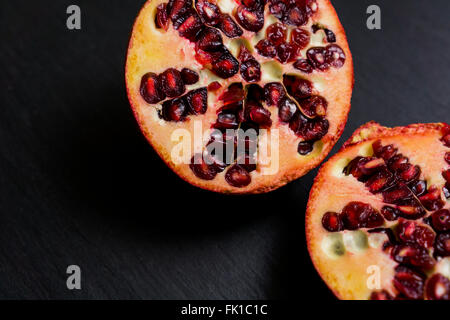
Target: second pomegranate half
(240, 96)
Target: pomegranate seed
(397, 163)
(386, 152)
(298, 88)
(276, 33)
(381, 180)
(201, 169)
(189, 76)
(214, 86)
(390, 213)
(360, 215)
(206, 58)
(171, 83)
(251, 70)
(197, 100)
(300, 37)
(273, 93)
(295, 16)
(250, 19)
(410, 173)
(261, 116)
(226, 66)
(315, 106)
(419, 187)
(229, 27)
(401, 192)
(237, 176)
(286, 109)
(286, 52)
(150, 88)
(189, 26)
(209, 12)
(408, 282)
(316, 56)
(442, 245)
(413, 255)
(266, 48)
(441, 220)
(411, 232)
(210, 40)
(432, 199)
(303, 65)
(174, 110)
(447, 157)
(234, 93)
(162, 17)
(277, 8)
(380, 295)
(332, 222)
(438, 287)
(411, 212)
(305, 147)
(335, 56)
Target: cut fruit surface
(378, 219)
(229, 94)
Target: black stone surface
(80, 185)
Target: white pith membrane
(155, 50)
(350, 261)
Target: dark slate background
(80, 185)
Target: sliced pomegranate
(207, 82)
(376, 175)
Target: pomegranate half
(240, 96)
(378, 219)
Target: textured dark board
(79, 184)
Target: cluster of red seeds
(304, 112)
(410, 243)
(241, 108)
(172, 84)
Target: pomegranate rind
(152, 55)
(347, 275)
